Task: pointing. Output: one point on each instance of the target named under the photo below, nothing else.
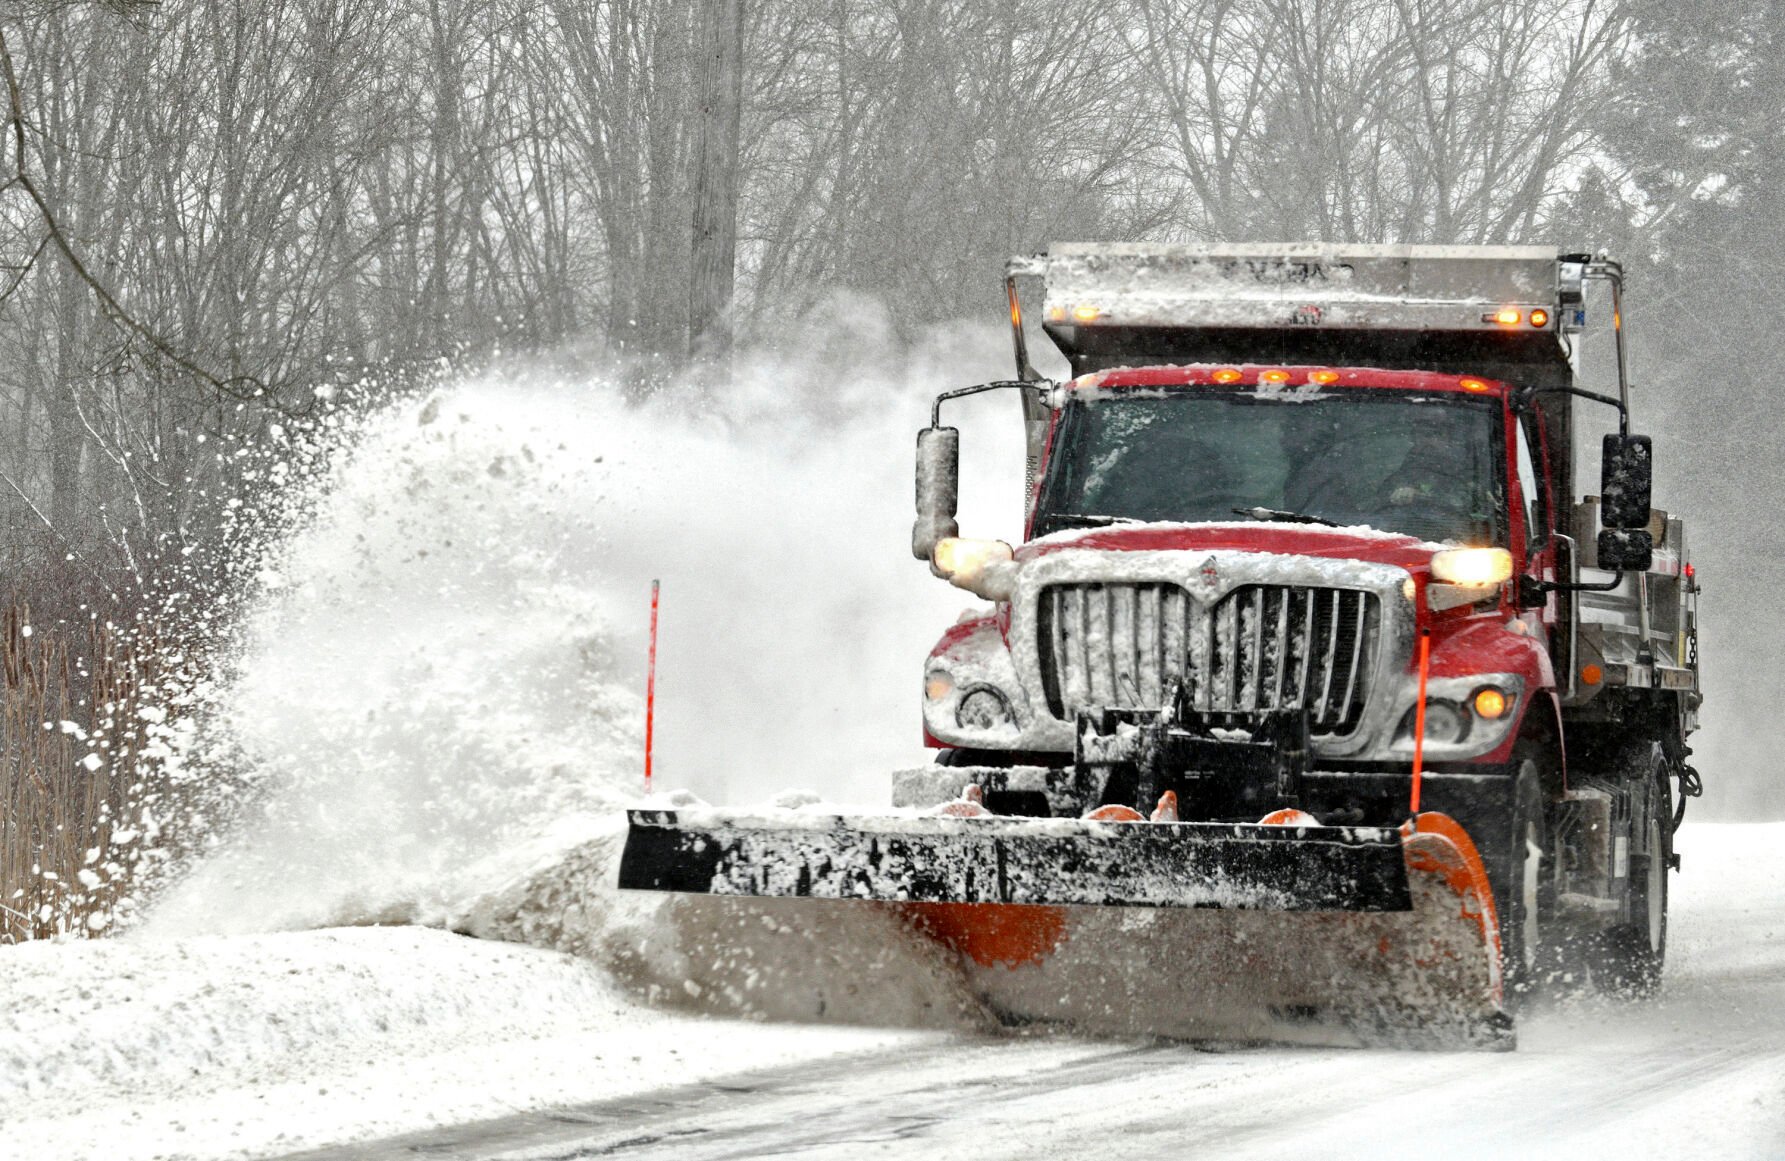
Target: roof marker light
(1226, 375)
(1085, 313)
(1273, 376)
(1474, 385)
(1540, 317)
(1324, 378)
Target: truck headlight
(1472, 566)
(985, 568)
(984, 708)
(1446, 723)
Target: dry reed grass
(74, 778)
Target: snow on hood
(1357, 542)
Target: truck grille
(1261, 647)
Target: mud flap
(1349, 935)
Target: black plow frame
(1052, 862)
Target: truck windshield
(1427, 465)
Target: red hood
(1248, 536)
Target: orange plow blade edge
(1281, 931)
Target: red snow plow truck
(1317, 702)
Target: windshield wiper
(1280, 516)
(1091, 520)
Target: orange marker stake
(651, 691)
(1419, 720)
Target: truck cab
(1304, 539)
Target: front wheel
(1527, 898)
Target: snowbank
(242, 1046)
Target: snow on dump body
(1346, 286)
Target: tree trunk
(712, 281)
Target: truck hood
(1358, 543)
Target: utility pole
(713, 276)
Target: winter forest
(221, 219)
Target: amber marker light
(1273, 376)
(1540, 318)
(1506, 317)
(1324, 378)
(1226, 375)
(1085, 313)
(1490, 703)
(1592, 674)
(1056, 314)
(1474, 385)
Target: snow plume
(439, 691)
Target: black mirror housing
(1626, 469)
(1626, 549)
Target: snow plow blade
(1048, 862)
(1300, 933)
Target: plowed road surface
(1699, 1074)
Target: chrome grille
(1259, 648)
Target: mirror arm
(1613, 272)
(1526, 394)
(1001, 385)
(1543, 586)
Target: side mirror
(1625, 466)
(1626, 549)
(938, 488)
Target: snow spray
(434, 694)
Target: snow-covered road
(259, 1046)
(1701, 1074)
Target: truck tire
(1630, 955)
(1528, 894)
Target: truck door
(1540, 543)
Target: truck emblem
(1305, 316)
(1211, 575)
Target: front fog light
(938, 685)
(1491, 702)
(983, 709)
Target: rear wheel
(1631, 954)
